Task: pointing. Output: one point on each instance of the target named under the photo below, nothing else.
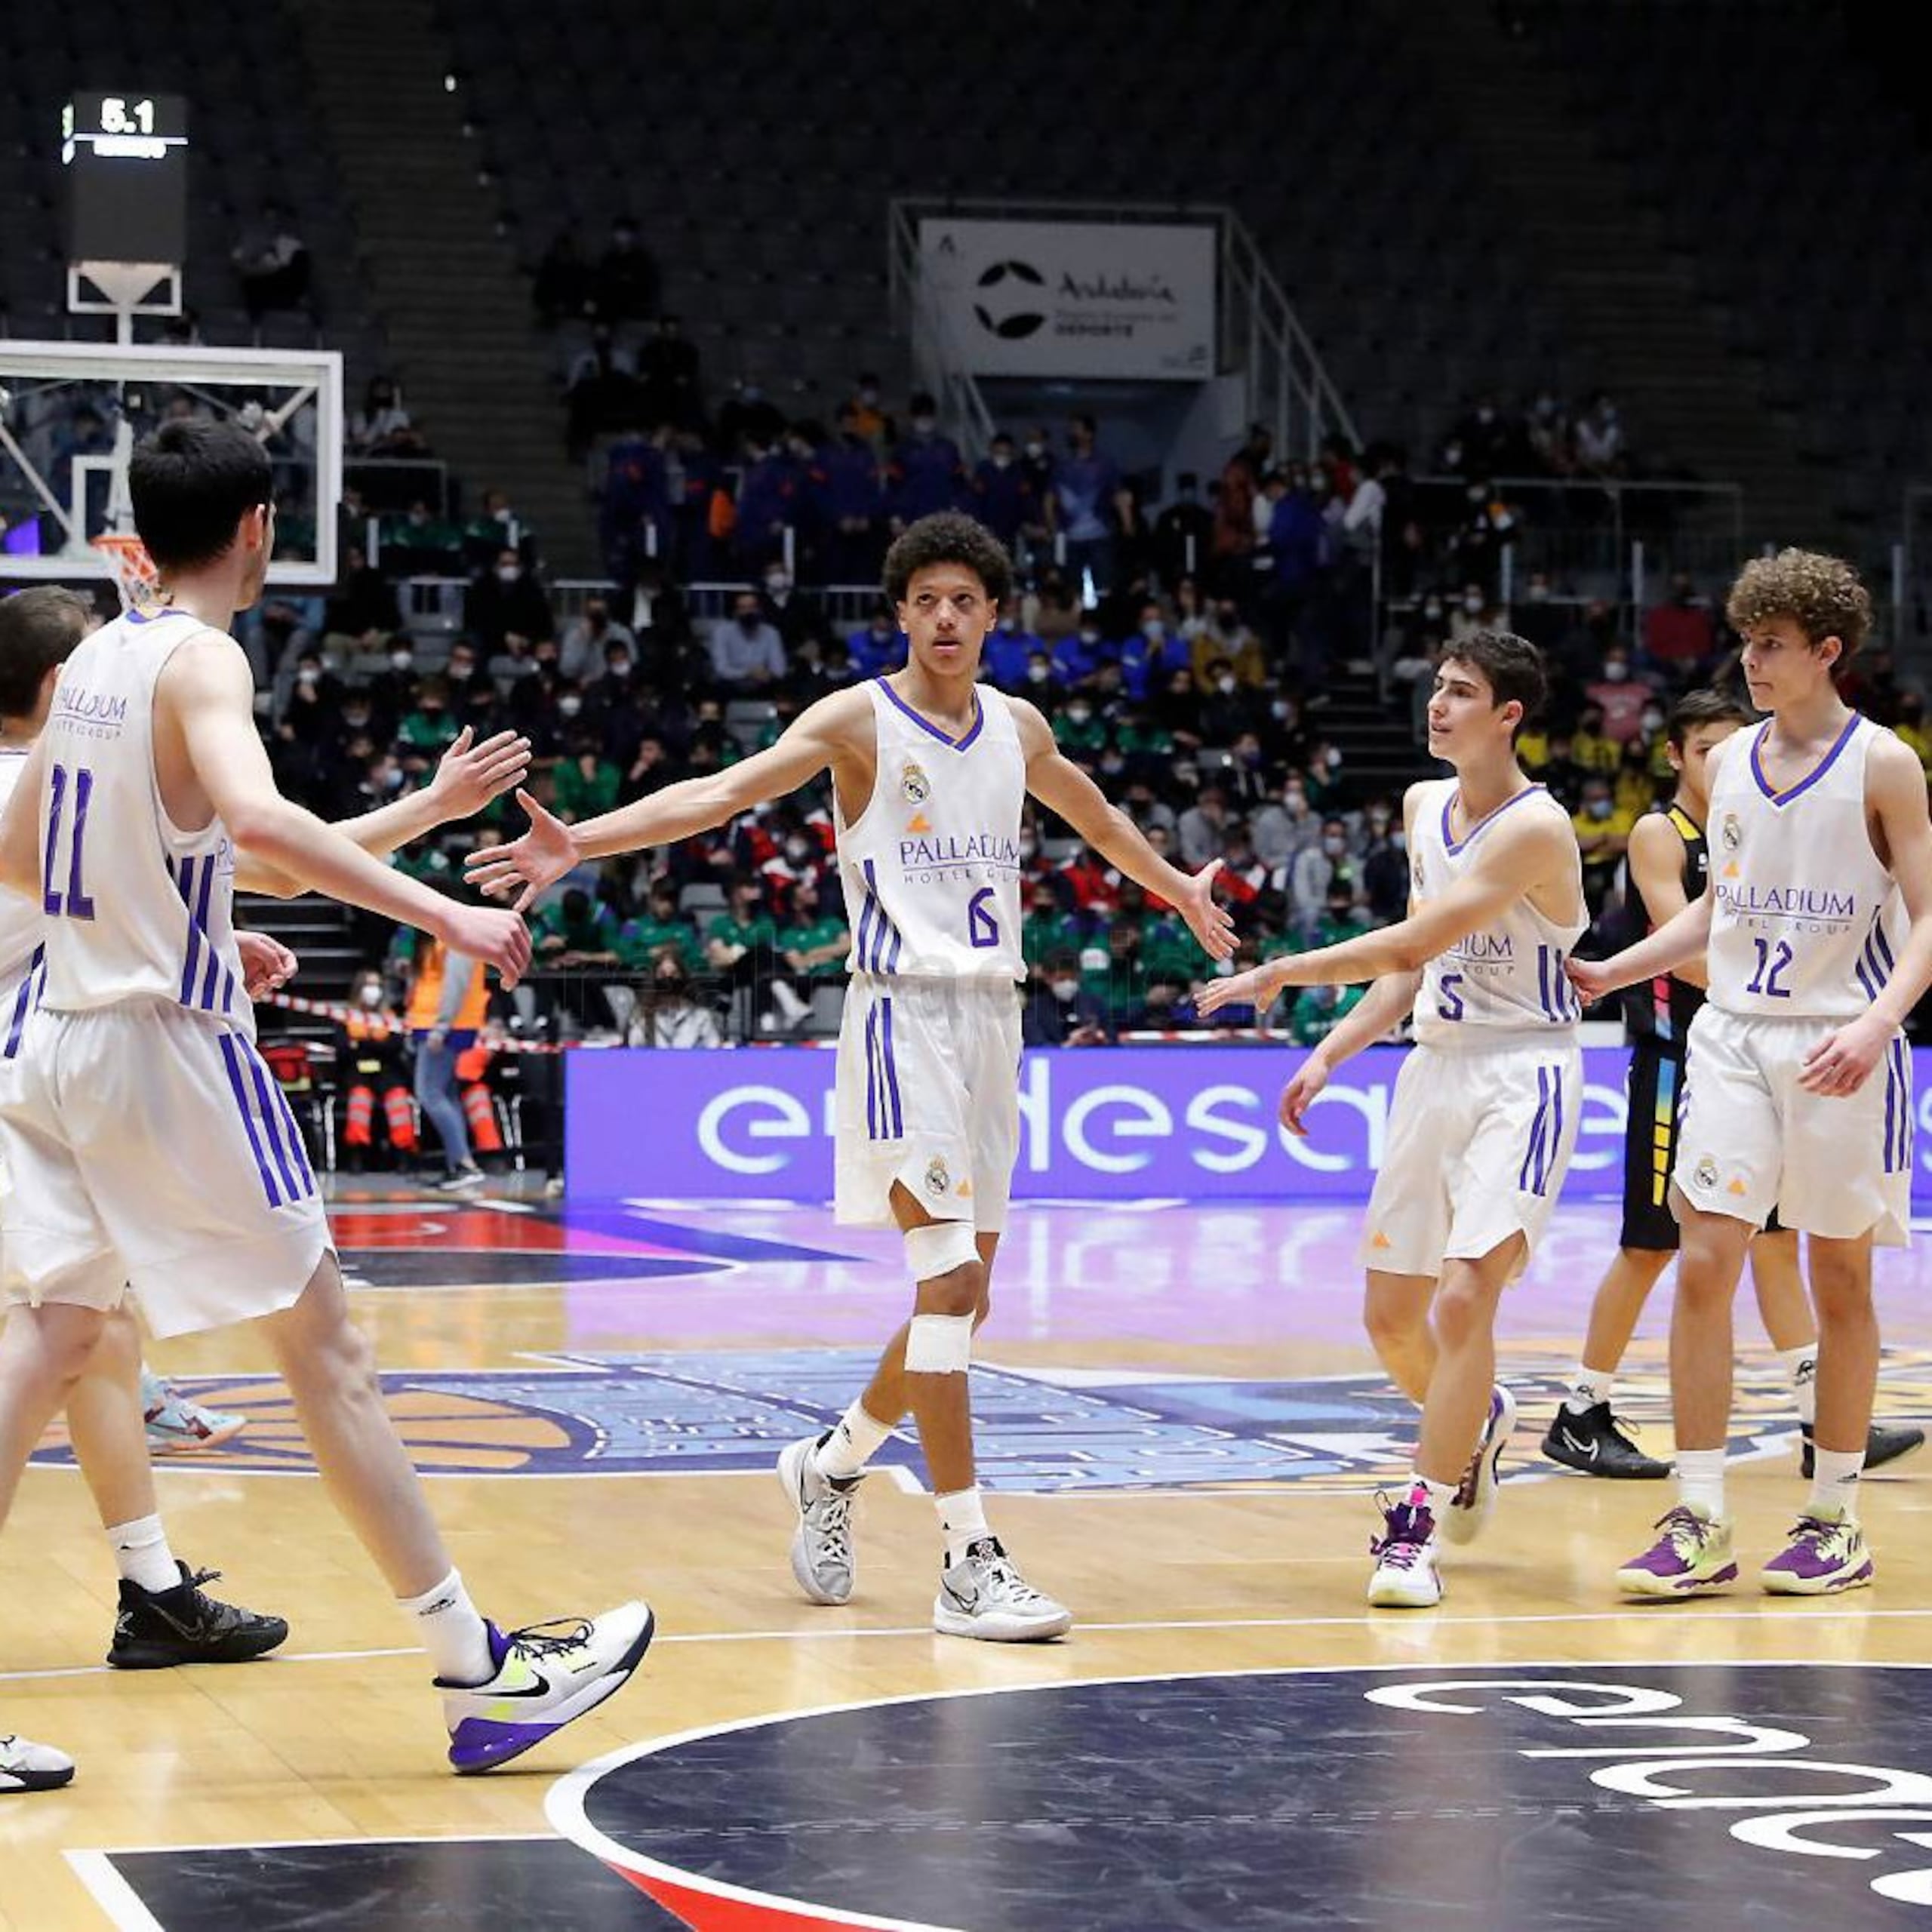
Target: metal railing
(1261, 338)
(939, 362)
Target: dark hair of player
(39, 629)
(1511, 666)
(1708, 706)
(191, 483)
(949, 537)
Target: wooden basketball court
(1182, 1431)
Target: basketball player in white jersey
(1669, 866)
(147, 1149)
(1485, 1109)
(1817, 930)
(930, 772)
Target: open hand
(1256, 988)
(540, 858)
(471, 775)
(1842, 1062)
(1210, 922)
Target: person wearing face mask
(1077, 657)
(926, 473)
(852, 499)
(370, 1059)
(747, 654)
(1085, 482)
(1060, 1011)
(508, 601)
(588, 637)
(1315, 870)
(1079, 731)
(1003, 493)
(1603, 834)
(429, 729)
(879, 647)
(1621, 696)
(669, 1017)
(793, 613)
(1010, 649)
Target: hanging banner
(1073, 298)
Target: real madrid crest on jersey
(938, 1179)
(1731, 834)
(914, 785)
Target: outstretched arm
(468, 776)
(1674, 945)
(207, 693)
(1380, 1008)
(1065, 790)
(550, 848)
(1513, 860)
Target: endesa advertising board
(1100, 1123)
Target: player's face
(945, 615)
(1781, 664)
(1692, 763)
(1464, 717)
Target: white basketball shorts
(1479, 1138)
(928, 1098)
(147, 1147)
(1749, 1138)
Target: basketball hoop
(134, 574)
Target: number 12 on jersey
(1773, 962)
(73, 903)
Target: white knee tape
(938, 1345)
(939, 1247)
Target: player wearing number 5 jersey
(930, 771)
(1485, 1110)
(1816, 921)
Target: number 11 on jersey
(74, 904)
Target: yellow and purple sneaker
(1825, 1554)
(1691, 1558)
(546, 1676)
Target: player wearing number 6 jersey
(1485, 1110)
(929, 771)
(1816, 921)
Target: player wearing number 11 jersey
(930, 771)
(1817, 923)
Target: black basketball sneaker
(1882, 1446)
(155, 1628)
(1593, 1443)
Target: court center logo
(1010, 301)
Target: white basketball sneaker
(1406, 1576)
(982, 1595)
(546, 1677)
(1474, 1502)
(821, 1558)
(26, 1766)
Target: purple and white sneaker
(1825, 1556)
(1475, 1500)
(1691, 1558)
(546, 1677)
(1406, 1578)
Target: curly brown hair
(948, 536)
(1823, 596)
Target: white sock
(142, 1555)
(1800, 1372)
(850, 1446)
(1834, 1484)
(1700, 1481)
(1435, 1497)
(962, 1518)
(453, 1632)
(1588, 1387)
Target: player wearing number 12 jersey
(1485, 1110)
(930, 771)
(1817, 922)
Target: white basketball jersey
(134, 908)
(1805, 922)
(931, 866)
(22, 961)
(1509, 974)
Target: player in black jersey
(1667, 869)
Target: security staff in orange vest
(447, 1004)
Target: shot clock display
(125, 159)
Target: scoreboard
(124, 160)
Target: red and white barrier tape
(334, 1009)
